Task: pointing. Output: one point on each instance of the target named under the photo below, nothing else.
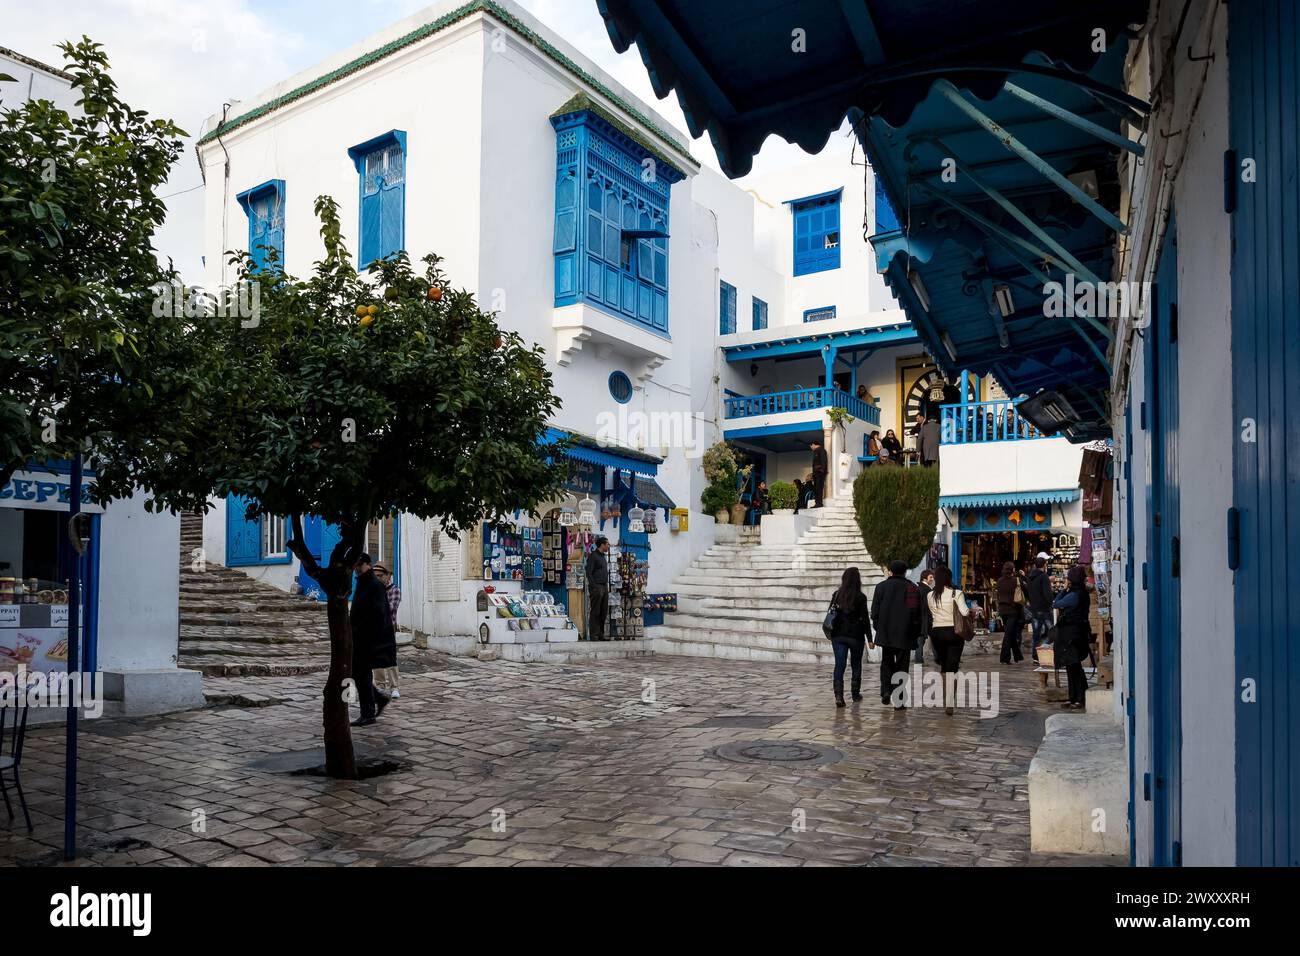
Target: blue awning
(648, 492)
(591, 450)
(992, 128)
(1010, 499)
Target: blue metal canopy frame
(1018, 98)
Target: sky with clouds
(183, 58)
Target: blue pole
(74, 664)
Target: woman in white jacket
(942, 603)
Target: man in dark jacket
(896, 614)
(598, 590)
(925, 587)
(1037, 586)
(374, 644)
(820, 468)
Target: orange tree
(353, 397)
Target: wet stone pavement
(653, 761)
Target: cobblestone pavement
(574, 763)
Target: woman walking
(850, 633)
(1013, 614)
(1073, 635)
(943, 603)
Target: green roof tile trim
(583, 103)
(428, 30)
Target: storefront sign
(30, 636)
(44, 491)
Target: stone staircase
(748, 602)
(233, 626)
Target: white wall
(139, 580)
(1039, 464)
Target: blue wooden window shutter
(381, 164)
(727, 303)
(264, 206)
(816, 233)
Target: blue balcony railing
(800, 400)
(972, 422)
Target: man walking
(926, 586)
(896, 614)
(1038, 593)
(820, 468)
(598, 590)
(386, 677)
(374, 644)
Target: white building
(130, 616)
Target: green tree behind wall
(897, 511)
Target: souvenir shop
(1097, 485)
(612, 492)
(36, 560)
(989, 530)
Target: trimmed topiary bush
(782, 495)
(897, 511)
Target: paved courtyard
(503, 764)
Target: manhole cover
(749, 721)
(779, 751)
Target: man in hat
(1037, 586)
(374, 645)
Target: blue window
(816, 232)
(818, 315)
(611, 219)
(381, 163)
(760, 313)
(620, 387)
(264, 206)
(727, 308)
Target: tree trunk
(339, 760)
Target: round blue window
(620, 386)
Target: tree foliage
(78, 209)
(897, 511)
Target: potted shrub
(718, 499)
(783, 496)
(738, 508)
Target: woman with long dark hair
(850, 633)
(1073, 635)
(891, 443)
(943, 603)
(1012, 613)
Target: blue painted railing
(972, 422)
(800, 400)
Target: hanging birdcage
(636, 518)
(586, 511)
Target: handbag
(828, 623)
(963, 625)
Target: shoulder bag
(963, 625)
(828, 623)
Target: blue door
(1163, 780)
(243, 537)
(1264, 525)
(311, 537)
(1130, 668)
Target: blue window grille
(381, 163)
(818, 315)
(620, 387)
(264, 206)
(760, 313)
(727, 308)
(611, 220)
(816, 232)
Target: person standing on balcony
(928, 441)
(850, 632)
(820, 469)
(896, 614)
(1013, 614)
(943, 602)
